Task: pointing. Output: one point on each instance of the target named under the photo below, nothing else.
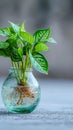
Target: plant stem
(20, 68)
(25, 67)
(13, 65)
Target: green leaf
(20, 51)
(12, 42)
(14, 26)
(12, 53)
(12, 30)
(13, 36)
(4, 45)
(5, 52)
(41, 35)
(39, 62)
(2, 53)
(39, 47)
(51, 40)
(5, 32)
(26, 48)
(20, 43)
(22, 28)
(15, 56)
(27, 37)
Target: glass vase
(19, 97)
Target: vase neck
(20, 74)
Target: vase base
(21, 110)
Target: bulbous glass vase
(19, 98)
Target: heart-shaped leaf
(41, 35)
(15, 56)
(20, 51)
(27, 37)
(5, 32)
(22, 29)
(39, 62)
(39, 47)
(2, 53)
(14, 26)
(4, 45)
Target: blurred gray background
(40, 14)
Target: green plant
(25, 49)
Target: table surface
(54, 112)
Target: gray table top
(54, 112)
